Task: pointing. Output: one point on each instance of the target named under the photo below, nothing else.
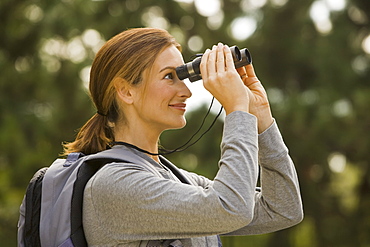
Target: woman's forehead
(169, 57)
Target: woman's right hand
(222, 80)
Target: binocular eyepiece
(191, 69)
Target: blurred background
(311, 55)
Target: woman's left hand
(258, 101)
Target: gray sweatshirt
(128, 204)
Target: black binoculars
(191, 69)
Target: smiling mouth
(179, 106)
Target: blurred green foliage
(312, 57)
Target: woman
(137, 94)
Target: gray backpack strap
(72, 158)
(85, 172)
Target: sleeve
(128, 202)
(279, 203)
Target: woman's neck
(145, 140)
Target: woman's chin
(179, 125)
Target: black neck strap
(134, 147)
(164, 162)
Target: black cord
(132, 146)
(183, 147)
(200, 127)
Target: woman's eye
(169, 76)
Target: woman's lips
(179, 106)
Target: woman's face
(161, 97)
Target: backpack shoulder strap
(174, 170)
(85, 172)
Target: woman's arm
(279, 203)
(128, 202)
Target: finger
(203, 63)
(220, 64)
(229, 58)
(242, 72)
(211, 63)
(250, 70)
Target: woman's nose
(184, 91)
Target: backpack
(51, 210)
(49, 190)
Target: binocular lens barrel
(191, 69)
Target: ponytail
(93, 137)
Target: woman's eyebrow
(168, 67)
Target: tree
(316, 74)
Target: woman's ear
(124, 90)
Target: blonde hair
(126, 55)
